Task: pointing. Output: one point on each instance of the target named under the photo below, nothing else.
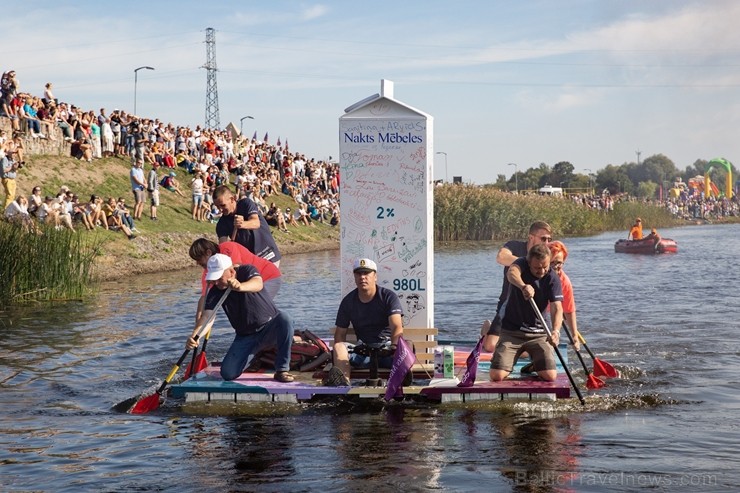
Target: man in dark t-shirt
(375, 314)
(529, 277)
(255, 319)
(539, 233)
(242, 221)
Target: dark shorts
(512, 343)
(495, 328)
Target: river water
(668, 322)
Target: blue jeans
(277, 333)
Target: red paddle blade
(146, 404)
(200, 364)
(604, 369)
(594, 382)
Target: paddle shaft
(583, 341)
(573, 342)
(203, 329)
(557, 351)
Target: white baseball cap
(216, 266)
(364, 264)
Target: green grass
(109, 177)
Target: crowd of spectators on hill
(255, 168)
(685, 203)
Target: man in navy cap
(375, 314)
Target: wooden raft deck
(207, 386)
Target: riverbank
(160, 245)
(167, 252)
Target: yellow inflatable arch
(722, 163)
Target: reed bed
(48, 266)
(472, 213)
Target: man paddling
(202, 249)
(257, 322)
(539, 233)
(529, 277)
(375, 313)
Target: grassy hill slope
(160, 245)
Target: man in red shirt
(202, 249)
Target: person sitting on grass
(275, 217)
(17, 212)
(95, 214)
(124, 213)
(290, 218)
(170, 183)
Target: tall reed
(469, 212)
(52, 265)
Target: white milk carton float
(444, 362)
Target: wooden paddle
(601, 368)
(557, 351)
(592, 381)
(151, 402)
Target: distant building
(550, 190)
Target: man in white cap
(375, 313)
(257, 322)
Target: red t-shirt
(241, 256)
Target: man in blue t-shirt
(257, 322)
(241, 221)
(539, 233)
(529, 277)
(374, 312)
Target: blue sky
(525, 82)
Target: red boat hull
(646, 247)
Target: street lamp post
(589, 177)
(241, 123)
(445, 155)
(516, 178)
(136, 81)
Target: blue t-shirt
(247, 312)
(516, 312)
(138, 173)
(519, 249)
(370, 320)
(258, 241)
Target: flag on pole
(254, 137)
(468, 378)
(286, 144)
(403, 360)
(266, 137)
(278, 142)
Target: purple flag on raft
(403, 360)
(468, 378)
(278, 142)
(266, 136)
(254, 137)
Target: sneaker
(335, 378)
(283, 376)
(527, 369)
